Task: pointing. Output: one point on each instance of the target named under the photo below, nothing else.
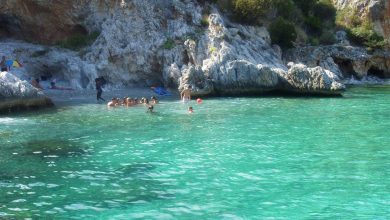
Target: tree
(282, 33)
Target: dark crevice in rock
(374, 71)
(9, 26)
(186, 58)
(345, 66)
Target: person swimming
(186, 94)
(129, 101)
(153, 100)
(190, 110)
(114, 102)
(150, 109)
(124, 102)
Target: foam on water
(11, 121)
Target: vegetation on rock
(282, 33)
(318, 20)
(78, 41)
(169, 44)
(359, 31)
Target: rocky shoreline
(17, 95)
(177, 44)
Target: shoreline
(65, 97)
(88, 96)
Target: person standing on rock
(3, 64)
(185, 95)
(100, 81)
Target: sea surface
(233, 158)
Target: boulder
(317, 81)
(194, 76)
(16, 95)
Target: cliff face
(39, 20)
(377, 11)
(176, 43)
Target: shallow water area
(249, 158)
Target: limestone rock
(317, 80)
(41, 21)
(344, 61)
(150, 43)
(236, 60)
(16, 94)
(194, 76)
(341, 38)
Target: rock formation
(39, 20)
(343, 61)
(317, 80)
(16, 95)
(377, 11)
(171, 43)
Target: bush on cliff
(78, 41)
(360, 32)
(314, 17)
(283, 33)
(248, 11)
(169, 44)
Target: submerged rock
(16, 95)
(53, 148)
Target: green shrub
(282, 33)
(286, 9)
(360, 32)
(226, 6)
(327, 37)
(314, 24)
(363, 35)
(204, 22)
(305, 5)
(348, 17)
(313, 41)
(78, 41)
(248, 11)
(324, 10)
(212, 49)
(169, 44)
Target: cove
(249, 158)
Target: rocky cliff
(173, 43)
(377, 11)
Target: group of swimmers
(128, 101)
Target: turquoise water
(234, 158)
